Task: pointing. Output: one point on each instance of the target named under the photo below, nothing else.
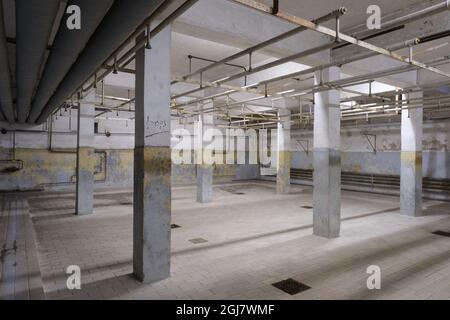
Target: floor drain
(306, 207)
(174, 226)
(198, 240)
(442, 233)
(232, 190)
(291, 286)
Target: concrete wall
(50, 162)
(56, 169)
(114, 169)
(358, 155)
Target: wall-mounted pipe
(120, 21)
(65, 49)
(6, 99)
(34, 22)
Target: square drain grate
(291, 286)
(306, 207)
(174, 226)
(198, 240)
(442, 233)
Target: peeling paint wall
(358, 154)
(46, 169)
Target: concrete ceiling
(207, 40)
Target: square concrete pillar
(411, 158)
(204, 170)
(85, 168)
(284, 157)
(327, 158)
(152, 161)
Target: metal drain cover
(198, 240)
(442, 233)
(291, 286)
(306, 207)
(174, 226)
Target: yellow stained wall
(43, 168)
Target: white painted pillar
(152, 161)
(85, 156)
(284, 156)
(327, 158)
(411, 159)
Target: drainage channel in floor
(306, 207)
(442, 233)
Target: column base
(204, 183)
(152, 213)
(284, 172)
(411, 184)
(327, 193)
(85, 181)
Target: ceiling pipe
(138, 44)
(6, 100)
(121, 20)
(34, 22)
(334, 14)
(341, 36)
(67, 46)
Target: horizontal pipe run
(157, 9)
(349, 39)
(127, 57)
(334, 14)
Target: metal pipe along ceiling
(6, 101)
(120, 21)
(65, 49)
(34, 22)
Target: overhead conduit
(121, 20)
(67, 46)
(6, 100)
(34, 23)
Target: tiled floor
(253, 240)
(20, 277)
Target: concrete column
(327, 158)
(205, 171)
(152, 161)
(411, 160)
(284, 151)
(85, 156)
